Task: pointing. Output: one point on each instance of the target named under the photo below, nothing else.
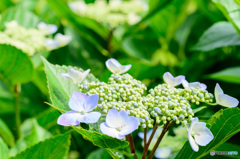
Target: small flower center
(82, 112)
(192, 133)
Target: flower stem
(131, 145)
(145, 137)
(17, 91)
(149, 141)
(165, 129)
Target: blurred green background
(196, 38)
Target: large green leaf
(219, 35)
(3, 150)
(99, 154)
(90, 29)
(223, 125)
(231, 11)
(61, 89)
(231, 75)
(6, 134)
(15, 66)
(56, 147)
(21, 15)
(33, 133)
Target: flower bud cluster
(114, 13)
(197, 95)
(165, 104)
(121, 92)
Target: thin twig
(145, 137)
(131, 145)
(149, 141)
(165, 129)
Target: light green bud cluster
(114, 13)
(197, 95)
(121, 92)
(166, 103)
(29, 41)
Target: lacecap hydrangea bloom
(127, 105)
(33, 40)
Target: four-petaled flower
(193, 85)
(172, 81)
(81, 106)
(75, 76)
(224, 99)
(47, 28)
(115, 67)
(202, 135)
(119, 124)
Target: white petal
(203, 137)
(141, 135)
(171, 81)
(217, 91)
(91, 117)
(115, 67)
(63, 39)
(193, 122)
(47, 28)
(67, 76)
(163, 152)
(76, 76)
(116, 119)
(131, 125)
(51, 44)
(77, 100)
(91, 103)
(195, 85)
(203, 86)
(227, 101)
(69, 118)
(193, 144)
(185, 84)
(110, 131)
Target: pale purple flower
(75, 76)
(62, 39)
(47, 28)
(81, 106)
(224, 99)
(172, 81)
(163, 152)
(193, 85)
(202, 135)
(51, 44)
(119, 124)
(115, 67)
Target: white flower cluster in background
(114, 13)
(33, 40)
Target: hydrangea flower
(172, 81)
(224, 99)
(62, 39)
(51, 44)
(163, 152)
(81, 106)
(115, 67)
(75, 76)
(202, 135)
(47, 28)
(119, 124)
(193, 85)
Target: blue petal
(92, 117)
(91, 103)
(69, 118)
(132, 125)
(77, 101)
(116, 119)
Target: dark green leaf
(6, 134)
(199, 109)
(219, 35)
(53, 148)
(99, 154)
(231, 75)
(224, 124)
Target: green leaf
(199, 109)
(231, 11)
(56, 147)
(90, 29)
(224, 124)
(3, 150)
(220, 34)
(61, 89)
(33, 133)
(99, 154)
(102, 140)
(6, 134)
(21, 15)
(231, 75)
(15, 66)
